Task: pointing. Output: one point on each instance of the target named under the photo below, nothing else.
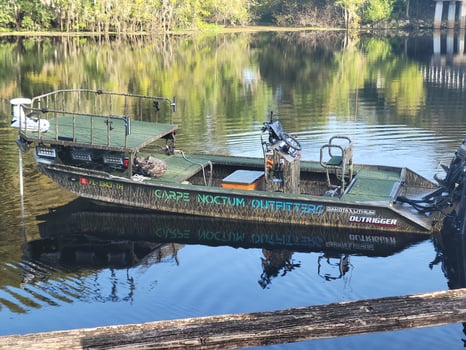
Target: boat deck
(373, 185)
(369, 184)
(112, 133)
(181, 167)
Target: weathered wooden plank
(263, 328)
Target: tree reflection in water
(450, 246)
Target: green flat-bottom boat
(116, 157)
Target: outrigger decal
(373, 220)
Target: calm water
(66, 264)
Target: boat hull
(217, 202)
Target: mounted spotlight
(81, 155)
(114, 160)
(46, 152)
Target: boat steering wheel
(290, 141)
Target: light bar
(113, 159)
(81, 155)
(44, 151)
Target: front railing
(101, 102)
(94, 106)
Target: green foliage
(378, 10)
(30, 15)
(352, 11)
(224, 76)
(166, 15)
(280, 12)
(7, 18)
(400, 81)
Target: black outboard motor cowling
(456, 181)
(451, 193)
(456, 169)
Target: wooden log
(262, 328)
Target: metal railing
(94, 104)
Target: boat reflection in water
(74, 251)
(82, 234)
(450, 245)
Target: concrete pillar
(437, 56)
(437, 42)
(450, 42)
(461, 42)
(438, 14)
(462, 16)
(451, 14)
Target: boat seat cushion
(335, 161)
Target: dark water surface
(68, 264)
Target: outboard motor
(455, 181)
(454, 177)
(452, 191)
(23, 121)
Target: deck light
(44, 151)
(81, 155)
(113, 160)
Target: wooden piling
(261, 328)
(454, 6)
